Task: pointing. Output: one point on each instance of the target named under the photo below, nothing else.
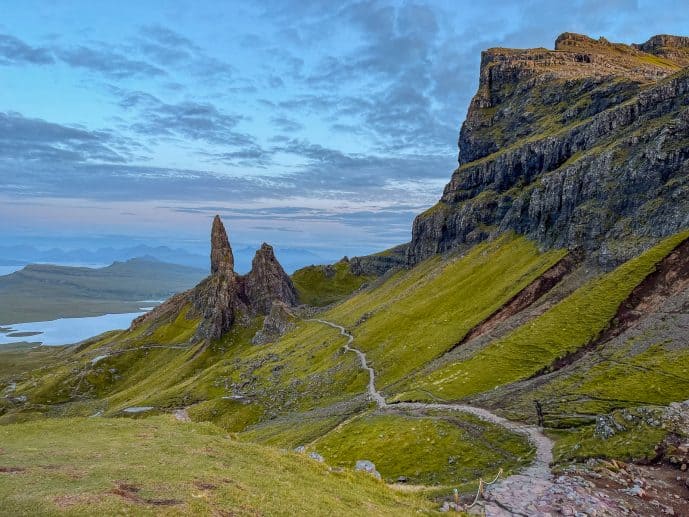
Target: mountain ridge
(569, 148)
(40, 292)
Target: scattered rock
(317, 457)
(181, 415)
(635, 490)
(367, 466)
(607, 426)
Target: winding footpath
(533, 491)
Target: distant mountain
(19, 255)
(43, 291)
(29, 254)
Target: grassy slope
(304, 370)
(319, 288)
(419, 314)
(117, 466)
(20, 358)
(298, 390)
(554, 334)
(427, 449)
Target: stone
(317, 457)
(367, 466)
(635, 490)
(280, 319)
(606, 427)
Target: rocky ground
(596, 489)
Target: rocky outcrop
(280, 319)
(674, 48)
(379, 263)
(222, 259)
(267, 282)
(225, 298)
(581, 147)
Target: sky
(310, 123)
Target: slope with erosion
(550, 338)
(304, 389)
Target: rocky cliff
(225, 297)
(583, 147)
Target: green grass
(418, 315)
(627, 376)
(293, 430)
(19, 358)
(636, 444)
(323, 285)
(431, 450)
(181, 330)
(231, 415)
(565, 328)
(123, 466)
(655, 376)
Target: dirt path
(534, 491)
(372, 391)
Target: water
(65, 331)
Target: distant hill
(41, 292)
(20, 255)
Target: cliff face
(584, 146)
(225, 298)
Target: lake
(65, 331)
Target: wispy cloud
(14, 51)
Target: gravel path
(534, 491)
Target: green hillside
(159, 466)
(305, 390)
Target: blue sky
(316, 124)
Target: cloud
(31, 139)
(40, 157)
(186, 120)
(108, 62)
(13, 51)
(165, 45)
(286, 124)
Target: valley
(527, 350)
